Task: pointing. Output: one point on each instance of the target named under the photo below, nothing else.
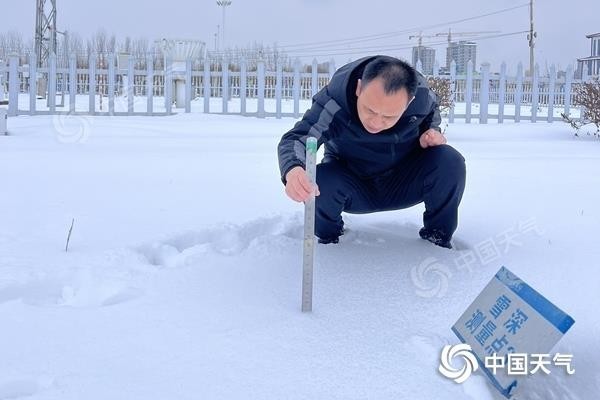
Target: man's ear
(358, 87)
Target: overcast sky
(561, 25)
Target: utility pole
(223, 4)
(531, 37)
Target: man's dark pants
(435, 176)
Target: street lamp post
(224, 4)
(218, 39)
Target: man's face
(379, 111)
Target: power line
(383, 48)
(396, 46)
(385, 35)
(409, 45)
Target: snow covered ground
(182, 279)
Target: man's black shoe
(329, 241)
(435, 237)
(333, 240)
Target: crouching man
(384, 150)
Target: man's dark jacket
(333, 120)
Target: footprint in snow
(77, 293)
(227, 240)
(20, 388)
(272, 233)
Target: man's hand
(298, 187)
(431, 138)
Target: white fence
(105, 89)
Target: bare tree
(111, 45)
(11, 42)
(125, 47)
(102, 44)
(139, 50)
(75, 46)
(272, 56)
(99, 42)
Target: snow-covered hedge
(587, 95)
(441, 87)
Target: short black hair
(396, 74)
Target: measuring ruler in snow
(309, 228)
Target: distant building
(592, 63)
(461, 53)
(444, 71)
(427, 57)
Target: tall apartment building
(461, 53)
(427, 57)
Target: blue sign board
(509, 318)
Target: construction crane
(450, 33)
(420, 37)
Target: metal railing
(104, 89)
